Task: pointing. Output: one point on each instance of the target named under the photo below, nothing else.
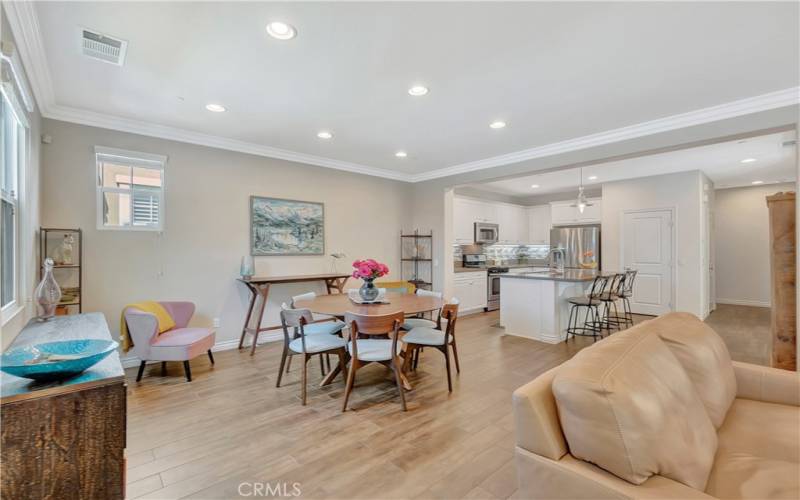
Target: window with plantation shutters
(130, 190)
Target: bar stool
(627, 293)
(609, 299)
(592, 303)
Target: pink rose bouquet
(369, 269)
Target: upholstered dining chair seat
(425, 336)
(323, 328)
(411, 323)
(370, 350)
(317, 343)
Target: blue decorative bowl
(87, 353)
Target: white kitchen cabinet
(562, 212)
(513, 222)
(466, 213)
(592, 213)
(470, 289)
(539, 223)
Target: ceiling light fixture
(418, 90)
(534, 186)
(756, 183)
(324, 134)
(401, 154)
(592, 177)
(498, 124)
(215, 108)
(748, 160)
(581, 202)
(281, 30)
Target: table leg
(253, 295)
(335, 283)
(263, 292)
(339, 367)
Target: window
(130, 190)
(12, 157)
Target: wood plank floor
(231, 425)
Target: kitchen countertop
(461, 269)
(572, 275)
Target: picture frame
(286, 227)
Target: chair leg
(447, 365)
(569, 323)
(288, 364)
(283, 363)
(304, 379)
(455, 356)
(322, 365)
(210, 357)
(187, 370)
(399, 381)
(141, 371)
(163, 368)
(328, 362)
(351, 375)
(255, 342)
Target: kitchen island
(534, 305)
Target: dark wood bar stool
(627, 293)
(609, 299)
(592, 322)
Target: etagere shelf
(65, 247)
(416, 262)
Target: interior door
(647, 248)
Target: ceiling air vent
(103, 47)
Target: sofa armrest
(770, 385)
(536, 423)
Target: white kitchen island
(534, 305)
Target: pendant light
(581, 202)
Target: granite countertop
(461, 269)
(573, 275)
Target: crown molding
(764, 102)
(27, 33)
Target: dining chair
(443, 340)
(413, 322)
(325, 326)
(306, 345)
(397, 286)
(364, 351)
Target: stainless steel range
(493, 287)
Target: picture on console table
(286, 227)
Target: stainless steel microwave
(486, 234)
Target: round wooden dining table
(338, 304)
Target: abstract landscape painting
(286, 227)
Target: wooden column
(783, 266)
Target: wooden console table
(259, 290)
(64, 439)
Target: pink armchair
(182, 343)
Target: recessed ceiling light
(756, 183)
(534, 186)
(401, 154)
(592, 177)
(748, 160)
(497, 125)
(216, 108)
(418, 90)
(324, 134)
(281, 30)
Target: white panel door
(647, 248)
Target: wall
(681, 191)
(207, 224)
(741, 234)
(29, 220)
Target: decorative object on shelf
(368, 270)
(48, 293)
(336, 256)
(416, 264)
(55, 360)
(286, 227)
(247, 269)
(65, 249)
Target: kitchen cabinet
(539, 223)
(466, 213)
(513, 221)
(470, 289)
(562, 212)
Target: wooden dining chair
(364, 349)
(411, 323)
(443, 340)
(305, 345)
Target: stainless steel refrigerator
(581, 245)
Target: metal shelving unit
(69, 275)
(416, 261)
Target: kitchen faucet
(557, 264)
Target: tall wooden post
(783, 266)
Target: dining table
(339, 304)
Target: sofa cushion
(761, 429)
(740, 475)
(627, 405)
(705, 358)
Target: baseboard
(223, 345)
(739, 302)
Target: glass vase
(368, 291)
(48, 293)
(247, 269)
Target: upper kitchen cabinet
(563, 212)
(513, 222)
(466, 213)
(540, 222)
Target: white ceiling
(721, 162)
(552, 71)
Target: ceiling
(721, 162)
(553, 71)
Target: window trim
(133, 159)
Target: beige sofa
(659, 411)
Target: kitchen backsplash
(498, 252)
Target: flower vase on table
(368, 270)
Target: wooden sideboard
(64, 439)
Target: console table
(64, 439)
(259, 290)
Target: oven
(486, 234)
(493, 287)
